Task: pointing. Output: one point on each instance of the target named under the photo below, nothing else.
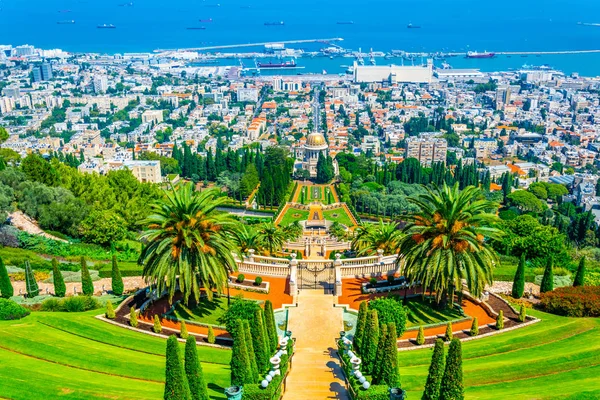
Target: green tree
(547, 284)
(103, 227)
(156, 327)
(189, 243)
(526, 201)
(522, 313)
(500, 320)
(6, 289)
(380, 353)
(250, 350)
(176, 386)
(117, 280)
(580, 275)
(360, 326)
(270, 326)
(519, 281)
(110, 311)
(448, 335)
(383, 236)
(421, 336)
(370, 342)
(271, 236)
(259, 341)
(60, 289)
(87, 286)
(30, 283)
(211, 335)
(3, 134)
(193, 371)
(183, 332)
(133, 321)
(389, 374)
(436, 371)
(451, 387)
(241, 373)
(474, 327)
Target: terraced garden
(75, 356)
(338, 215)
(557, 358)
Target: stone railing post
(337, 264)
(251, 255)
(379, 256)
(293, 275)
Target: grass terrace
(206, 312)
(338, 215)
(422, 312)
(293, 214)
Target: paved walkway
(316, 371)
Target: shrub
(110, 311)
(373, 281)
(580, 275)
(436, 371)
(448, 336)
(391, 278)
(193, 371)
(519, 282)
(10, 310)
(270, 327)
(52, 305)
(370, 343)
(522, 313)
(390, 310)
(6, 289)
(421, 336)
(250, 350)
(547, 284)
(241, 372)
(176, 386)
(183, 332)
(260, 341)
(30, 282)
(258, 281)
(157, 327)
(87, 286)
(500, 320)
(117, 281)
(380, 353)
(79, 304)
(360, 326)
(579, 301)
(389, 374)
(240, 278)
(133, 321)
(474, 327)
(451, 387)
(239, 309)
(211, 335)
(60, 289)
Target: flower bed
(581, 301)
(250, 285)
(384, 286)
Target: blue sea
(459, 25)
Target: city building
(145, 171)
(315, 147)
(155, 116)
(394, 73)
(427, 150)
(100, 84)
(247, 94)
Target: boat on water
(345, 22)
(64, 11)
(411, 26)
(106, 26)
(196, 28)
(474, 54)
(67, 22)
(270, 64)
(279, 23)
(205, 20)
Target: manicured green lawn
(339, 215)
(506, 272)
(75, 356)
(557, 358)
(292, 215)
(206, 311)
(419, 312)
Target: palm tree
(247, 238)
(293, 231)
(447, 240)
(271, 236)
(383, 236)
(188, 242)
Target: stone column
(337, 264)
(293, 275)
(379, 256)
(251, 255)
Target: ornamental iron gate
(317, 275)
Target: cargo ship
(106, 26)
(205, 20)
(285, 64)
(474, 54)
(196, 28)
(411, 26)
(345, 22)
(67, 22)
(274, 23)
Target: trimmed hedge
(10, 310)
(70, 304)
(579, 301)
(390, 309)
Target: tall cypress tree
(380, 353)
(360, 326)
(250, 350)
(87, 286)
(6, 289)
(117, 280)
(580, 275)
(370, 342)
(241, 373)
(30, 282)
(436, 371)
(271, 327)
(60, 289)
(259, 341)
(193, 371)
(452, 381)
(389, 374)
(176, 386)
(519, 281)
(547, 284)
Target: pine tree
(474, 327)
(6, 289)
(371, 341)
(360, 326)
(448, 335)
(87, 286)
(547, 284)
(421, 336)
(250, 350)
(522, 313)
(271, 327)
(211, 335)
(30, 282)
(183, 332)
(436, 371)
(389, 374)
(380, 353)
(580, 275)
(500, 320)
(452, 381)
(110, 311)
(117, 280)
(176, 386)
(241, 373)
(157, 327)
(60, 289)
(133, 317)
(193, 371)
(519, 281)
(259, 341)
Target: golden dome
(316, 139)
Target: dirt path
(26, 224)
